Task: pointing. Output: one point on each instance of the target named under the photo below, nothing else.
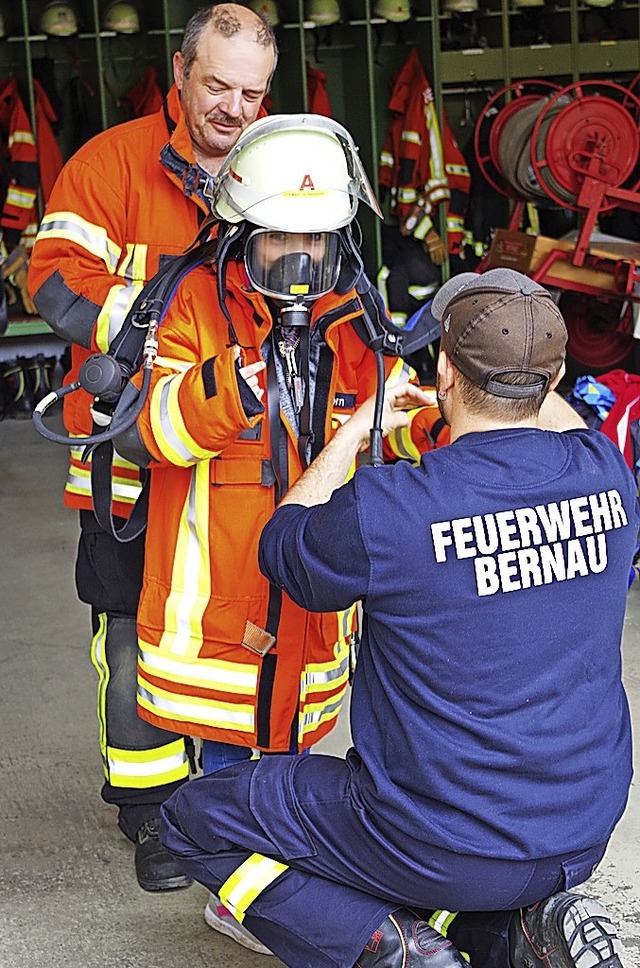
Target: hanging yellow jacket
(214, 468)
(115, 216)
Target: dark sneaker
(405, 941)
(156, 868)
(564, 931)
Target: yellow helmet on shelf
(59, 20)
(122, 18)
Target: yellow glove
(435, 247)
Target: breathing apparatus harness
(118, 402)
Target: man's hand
(331, 467)
(398, 398)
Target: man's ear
(445, 371)
(178, 69)
(556, 380)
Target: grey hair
(225, 18)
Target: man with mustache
(126, 204)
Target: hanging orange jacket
(19, 206)
(420, 163)
(48, 151)
(145, 97)
(212, 490)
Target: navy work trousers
(342, 878)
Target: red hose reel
(576, 147)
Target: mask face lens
(293, 265)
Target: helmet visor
(293, 265)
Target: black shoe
(156, 868)
(564, 931)
(404, 941)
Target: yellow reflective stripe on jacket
(22, 136)
(401, 442)
(20, 198)
(248, 882)
(195, 709)
(401, 372)
(213, 674)
(191, 573)
(319, 676)
(142, 769)
(123, 488)
(114, 310)
(315, 715)
(133, 267)
(99, 660)
(441, 921)
(92, 238)
(167, 424)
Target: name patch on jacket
(344, 401)
(525, 547)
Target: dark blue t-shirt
(488, 710)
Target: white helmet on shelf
(293, 173)
(122, 18)
(58, 20)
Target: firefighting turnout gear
(421, 165)
(223, 655)
(104, 234)
(142, 765)
(106, 231)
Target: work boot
(38, 370)
(404, 941)
(18, 389)
(156, 868)
(564, 931)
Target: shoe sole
(231, 929)
(591, 935)
(169, 884)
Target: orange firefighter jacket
(128, 200)
(212, 490)
(420, 162)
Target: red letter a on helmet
(307, 183)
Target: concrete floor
(68, 893)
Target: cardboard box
(601, 273)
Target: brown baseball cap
(500, 322)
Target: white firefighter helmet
(460, 6)
(322, 13)
(123, 18)
(267, 9)
(293, 173)
(59, 20)
(396, 11)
